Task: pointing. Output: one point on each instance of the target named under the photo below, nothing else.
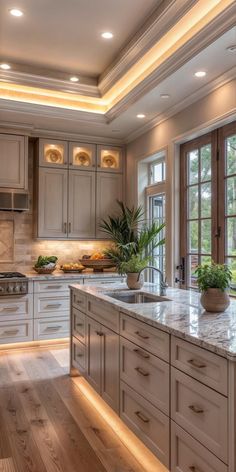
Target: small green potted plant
(214, 281)
(133, 242)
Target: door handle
(65, 228)
(69, 231)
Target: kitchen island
(166, 367)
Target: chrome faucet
(163, 285)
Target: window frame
(159, 160)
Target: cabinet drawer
(16, 331)
(78, 355)
(53, 305)
(78, 300)
(203, 365)
(146, 421)
(48, 328)
(190, 456)
(104, 313)
(54, 285)
(146, 374)
(78, 324)
(202, 412)
(103, 281)
(16, 308)
(151, 339)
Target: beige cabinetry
(109, 190)
(82, 156)
(81, 204)
(53, 153)
(110, 159)
(13, 162)
(16, 315)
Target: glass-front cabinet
(82, 156)
(53, 153)
(109, 159)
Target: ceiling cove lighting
(16, 12)
(5, 66)
(141, 115)
(200, 73)
(107, 35)
(165, 95)
(74, 79)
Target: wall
(216, 109)
(18, 248)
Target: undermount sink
(136, 297)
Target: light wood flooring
(47, 424)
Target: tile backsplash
(18, 248)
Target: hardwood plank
(7, 465)
(5, 450)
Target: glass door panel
(157, 214)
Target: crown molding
(161, 20)
(51, 83)
(223, 79)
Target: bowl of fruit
(97, 261)
(45, 264)
(72, 267)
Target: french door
(208, 202)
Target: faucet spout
(162, 284)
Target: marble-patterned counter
(182, 316)
(59, 274)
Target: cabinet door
(110, 368)
(109, 189)
(13, 161)
(110, 159)
(82, 156)
(52, 203)
(53, 153)
(81, 207)
(93, 354)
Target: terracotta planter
(214, 300)
(132, 281)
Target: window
(208, 201)
(157, 213)
(157, 171)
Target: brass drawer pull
(143, 336)
(196, 363)
(142, 354)
(10, 308)
(196, 409)
(53, 328)
(142, 417)
(53, 305)
(53, 287)
(142, 372)
(11, 331)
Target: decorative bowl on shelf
(98, 265)
(72, 268)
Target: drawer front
(78, 300)
(16, 331)
(202, 412)
(146, 421)
(78, 356)
(16, 308)
(104, 313)
(187, 455)
(49, 328)
(103, 281)
(146, 374)
(151, 339)
(78, 324)
(55, 285)
(53, 305)
(202, 365)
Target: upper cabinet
(109, 159)
(53, 153)
(13, 162)
(82, 156)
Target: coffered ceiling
(156, 48)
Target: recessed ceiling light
(165, 95)
(16, 12)
(231, 48)
(141, 115)
(5, 66)
(107, 35)
(74, 79)
(200, 73)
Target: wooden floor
(48, 424)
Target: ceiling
(138, 28)
(65, 35)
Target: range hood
(13, 201)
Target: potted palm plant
(214, 281)
(133, 241)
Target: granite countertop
(182, 316)
(59, 274)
